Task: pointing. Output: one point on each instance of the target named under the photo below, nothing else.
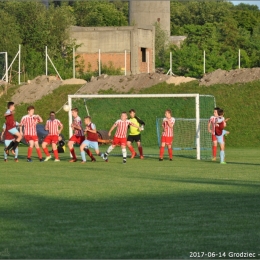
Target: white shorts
(220, 138)
(13, 131)
(91, 144)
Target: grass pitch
(144, 209)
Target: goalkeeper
(135, 134)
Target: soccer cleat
(141, 157)
(16, 160)
(93, 159)
(41, 160)
(83, 161)
(223, 163)
(57, 160)
(73, 160)
(29, 160)
(133, 155)
(5, 160)
(160, 159)
(214, 158)
(124, 161)
(47, 158)
(6, 151)
(170, 159)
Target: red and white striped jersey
(53, 126)
(167, 130)
(29, 123)
(77, 121)
(212, 121)
(122, 127)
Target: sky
(256, 2)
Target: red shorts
(119, 141)
(31, 138)
(77, 139)
(167, 140)
(51, 139)
(214, 138)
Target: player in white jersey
(167, 135)
(120, 135)
(54, 126)
(29, 123)
(211, 129)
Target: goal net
(191, 112)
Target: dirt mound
(178, 80)
(230, 77)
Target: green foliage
(110, 69)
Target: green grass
(144, 209)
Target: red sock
(161, 152)
(132, 150)
(29, 153)
(89, 153)
(56, 155)
(140, 148)
(72, 151)
(45, 150)
(38, 150)
(170, 152)
(214, 151)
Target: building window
(143, 50)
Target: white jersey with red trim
(29, 123)
(53, 126)
(77, 122)
(212, 122)
(122, 127)
(167, 130)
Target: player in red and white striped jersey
(211, 129)
(78, 135)
(167, 135)
(120, 135)
(29, 123)
(54, 126)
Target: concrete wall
(113, 42)
(146, 13)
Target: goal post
(149, 107)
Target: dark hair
(131, 110)
(123, 112)
(75, 109)
(52, 112)
(30, 108)
(10, 104)
(220, 112)
(169, 111)
(216, 108)
(87, 117)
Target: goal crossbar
(197, 107)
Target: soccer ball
(66, 108)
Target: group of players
(88, 138)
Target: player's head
(87, 120)
(168, 113)
(74, 112)
(10, 105)
(30, 110)
(52, 115)
(220, 112)
(215, 113)
(123, 116)
(132, 113)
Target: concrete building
(129, 45)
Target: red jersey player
(120, 135)
(167, 135)
(78, 136)
(211, 129)
(29, 123)
(11, 128)
(54, 126)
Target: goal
(190, 110)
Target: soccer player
(29, 123)
(11, 128)
(167, 135)
(8, 138)
(120, 135)
(220, 132)
(78, 136)
(135, 134)
(211, 129)
(91, 139)
(54, 126)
